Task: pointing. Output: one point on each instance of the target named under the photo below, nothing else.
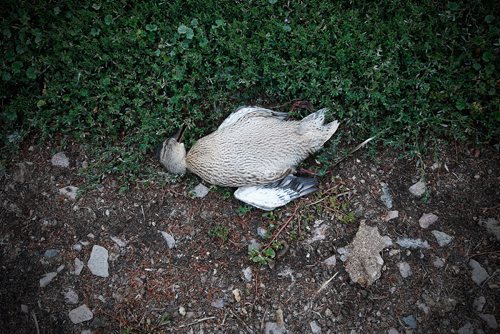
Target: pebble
(77, 247)
(442, 238)
(169, 239)
(386, 197)
(479, 303)
(319, 232)
(423, 307)
(466, 329)
(393, 331)
(479, 274)
(24, 308)
(261, 232)
(80, 314)
(78, 266)
(404, 269)
(315, 329)
(427, 220)
(47, 278)
(218, 303)
(418, 189)
(60, 160)
(492, 226)
(273, 328)
(247, 274)
(237, 295)
(412, 243)
(391, 215)
(200, 191)
(331, 261)
(182, 311)
(410, 321)
(69, 191)
(50, 253)
(490, 319)
(119, 242)
(98, 262)
(71, 297)
(438, 262)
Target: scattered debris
(386, 197)
(71, 297)
(169, 239)
(490, 320)
(404, 269)
(492, 226)
(442, 238)
(218, 303)
(200, 191)
(479, 274)
(78, 266)
(427, 220)
(410, 321)
(277, 327)
(80, 314)
(69, 191)
(247, 274)
(254, 245)
(412, 243)
(60, 160)
(364, 262)
(47, 278)
(331, 261)
(438, 262)
(390, 215)
(319, 232)
(479, 303)
(418, 189)
(98, 262)
(19, 174)
(119, 241)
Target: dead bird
(256, 150)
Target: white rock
(247, 274)
(274, 328)
(237, 295)
(490, 319)
(119, 241)
(77, 247)
(319, 232)
(60, 160)
(412, 243)
(391, 215)
(169, 239)
(331, 261)
(427, 220)
(404, 269)
(479, 303)
(98, 262)
(315, 329)
(182, 311)
(418, 189)
(78, 266)
(47, 278)
(218, 303)
(71, 297)
(80, 314)
(200, 191)
(479, 274)
(393, 331)
(69, 191)
(442, 238)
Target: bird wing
(245, 112)
(270, 196)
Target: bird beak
(180, 133)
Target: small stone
(315, 329)
(410, 321)
(438, 262)
(78, 266)
(418, 189)
(50, 253)
(479, 274)
(70, 297)
(237, 295)
(427, 220)
(442, 238)
(490, 319)
(169, 239)
(47, 278)
(261, 232)
(80, 314)
(466, 329)
(60, 160)
(69, 191)
(24, 308)
(344, 253)
(404, 269)
(60, 268)
(492, 226)
(423, 307)
(391, 215)
(479, 303)
(119, 241)
(386, 197)
(392, 330)
(393, 252)
(253, 245)
(77, 247)
(331, 261)
(200, 191)
(98, 262)
(247, 274)
(182, 311)
(91, 236)
(412, 243)
(218, 303)
(319, 232)
(273, 328)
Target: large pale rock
(98, 262)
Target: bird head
(172, 153)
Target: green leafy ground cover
(119, 76)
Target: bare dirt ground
(200, 286)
